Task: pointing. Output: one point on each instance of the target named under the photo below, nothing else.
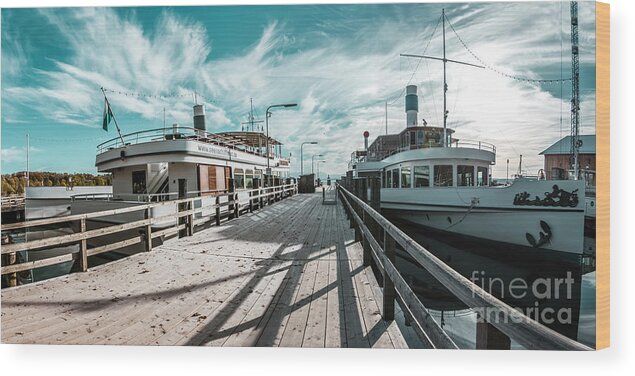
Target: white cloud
(340, 83)
(16, 154)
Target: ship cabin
(166, 163)
(416, 158)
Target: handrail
(180, 133)
(184, 221)
(520, 328)
(469, 144)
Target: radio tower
(575, 90)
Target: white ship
(448, 186)
(182, 162)
(434, 180)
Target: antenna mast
(252, 120)
(445, 60)
(575, 91)
(445, 87)
(386, 118)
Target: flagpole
(123, 143)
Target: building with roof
(558, 157)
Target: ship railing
(92, 197)
(379, 239)
(469, 144)
(12, 201)
(182, 133)
(186, 214)
(474, 144)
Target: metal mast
(445, 87)
(252, 120)
(445, 83)
(575, 90)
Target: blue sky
(340, 63)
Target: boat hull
(490, 213)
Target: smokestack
(366, 134)
(412, 105)
(199, 118)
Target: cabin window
(465, 175)
(405, 177)
(138, 182)
(443, 176)
(422, 176)
(249, 179)
(481, 176)
(239, 178)
(557, 173)
(388, 177)
(395, 178)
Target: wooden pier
(290, 274)
(278, 270)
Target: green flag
(107, 114)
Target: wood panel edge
(603, 201)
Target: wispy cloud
(340, 78)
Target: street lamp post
(302, 157)
(318, 169)
(267, 114)
(313, 161)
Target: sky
(340, 63)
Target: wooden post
(190, 219)
(230, 197)
(388, 310)
(363, 189)
(180, 220)
(256, 192)
(13, 277)
(217, 211)
(323, 195)
(358, 234)
(366, 243)
(148, 215)
(236, 206)
(351, 220)
(251, 202)
(375, 203)
(490, 338)
(375, 193)
(83, 250)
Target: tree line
(15, 183)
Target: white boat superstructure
(447, 185)
(182, 162)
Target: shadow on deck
(288, 275)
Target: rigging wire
(434, 102)
(418, 63)
(497, 71)
(165, 96)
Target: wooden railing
(11, 202)
(184, 218)
(371, 228)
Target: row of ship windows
(244, 179)
(442, 176)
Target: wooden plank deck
(288, 275)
